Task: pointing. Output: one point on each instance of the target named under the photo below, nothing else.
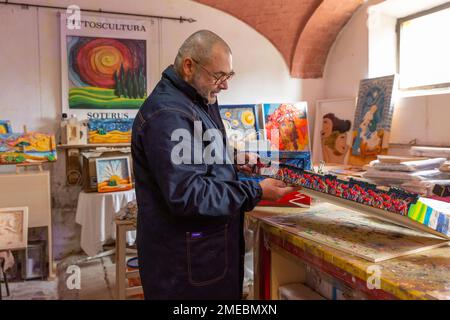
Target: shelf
(92, 145)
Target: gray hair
(199, 46)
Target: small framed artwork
(5, 127)
(333, 130)
(110, 130)
(241, 124)
(13, 228)
(113, 174)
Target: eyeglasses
(218, 79)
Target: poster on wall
(105, 66)
(373, 118)
(332, 130)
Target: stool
(3, 274)
(122, 291)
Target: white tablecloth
(96, 213)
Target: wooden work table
(280, 257)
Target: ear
(188, 67)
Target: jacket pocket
(207, 256)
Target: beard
(212, 99)
(208, 94)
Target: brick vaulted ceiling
(302, 30)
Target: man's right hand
(274, 190)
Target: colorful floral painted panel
(408, 208)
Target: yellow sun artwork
(113, 174)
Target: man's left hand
(246, 162)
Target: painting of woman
(334, 136)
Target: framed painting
(5, 127)
(28, 147)
(13, 228)
(373, 118)
(113, 174)
(241, 124)
(109, 130)
(105, 65)
(286, 127)
(332, 130)
(106, 73)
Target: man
(190, 221)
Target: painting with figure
(332, 131)
(355, 233)
(373, 118)
(286, 129)
(13, 228)
(5, 127)
(106, 73)
(286, 126)
(113, 174)
(109, 130)
(241, 124)
(27, 148)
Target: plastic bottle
(73, 130)
(63, 130)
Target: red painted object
(294, 199)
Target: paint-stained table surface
(424, 275)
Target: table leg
(51, 266)
(120, 261)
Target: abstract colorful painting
(286, 128)
(109, 130)
(106, 73)
(355, 233)
(373, 118)
(332, 130)
(241, 124)
(5, 126)
(28, 147)
(113, 174)
(13, 228)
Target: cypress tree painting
(106, 73)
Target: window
(424, 49)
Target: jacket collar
(184, 87)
